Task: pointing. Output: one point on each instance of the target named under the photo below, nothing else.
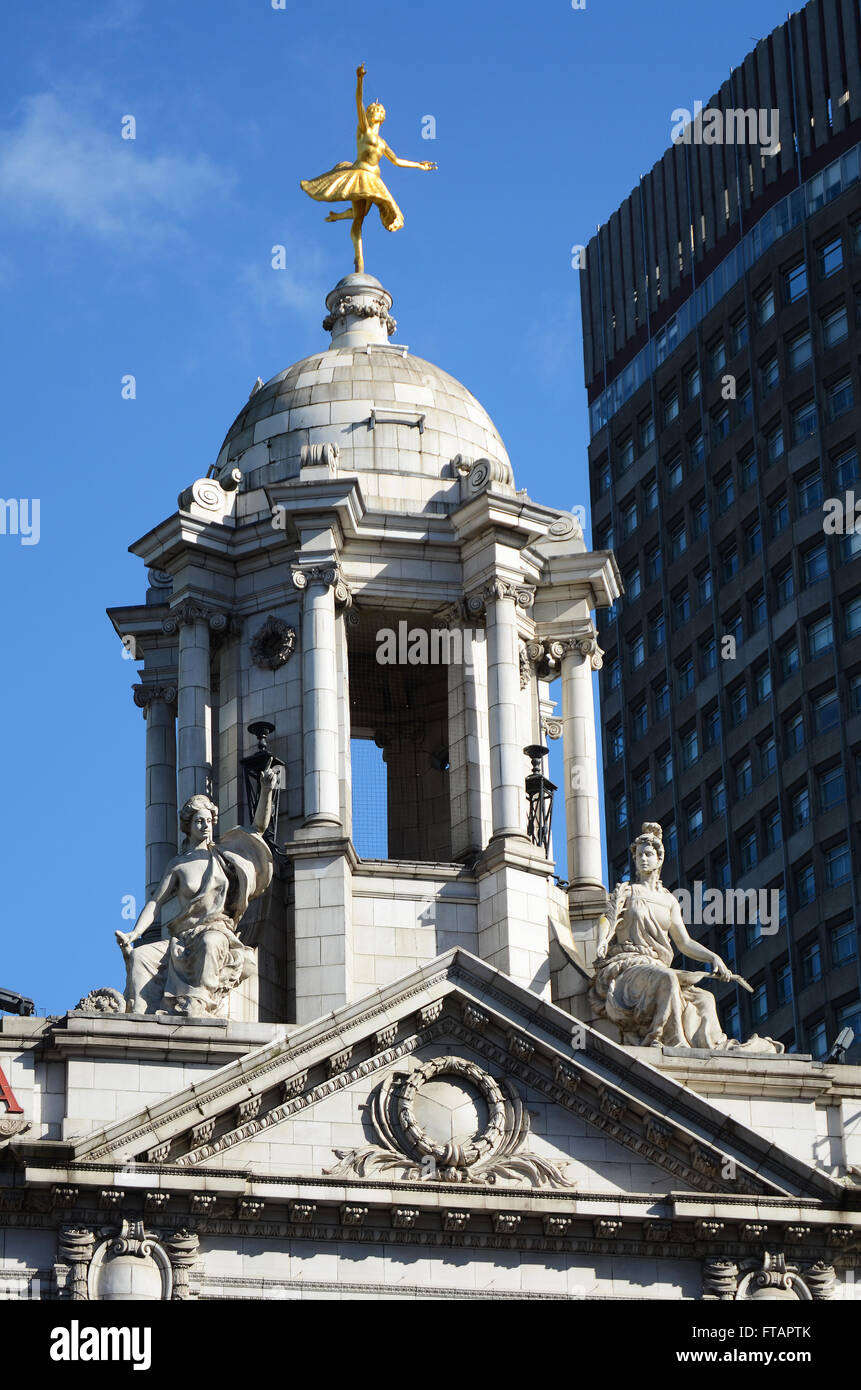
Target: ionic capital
(329, 576)
(583, 641)
(146, 695)
(185, 614)
(495, 589)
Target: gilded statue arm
(695, 949)
(165, 892)
(360, 96)
(409, 163)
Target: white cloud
(301, 287)
(116, 15)
(58, 164)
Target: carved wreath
(273, 644)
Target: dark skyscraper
(721, 312)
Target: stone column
(580, 655)
(320, 586)
(158, 703)
(193, 735)
(500, 599)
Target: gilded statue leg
(339, 216)
(360, 212)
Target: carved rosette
(273, 644)
(407, 1151)
(329, 575)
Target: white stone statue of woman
(634, 984)
(213, 883)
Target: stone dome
(388, 412)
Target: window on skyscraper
(852, 616)
(725, 489)
(696, 449)
(637, 651)
(690, 746)
(783, 983)
(784, 584)
(748, 853)
(647, 431)
(733, 628)
(817, 1039)
(814, 563)
(845, 467)
(617, 742)
(603, 477)
(699, 517)
(716, 357)
(678, 540)
(674, 472)
(708, 655)
(793, 732)
(692, 383)
(809, 491)
(681, 603)
(826, 710)
(671, 841)
(830, 257)
(799, 350)
(614, 674)
(769, 374)
(720, 424)
(738, 329)
(844, 942)
(642, 788)
(625, 451)
(671, 407)
(685, 678)
(704, 587)
(639, 719)
(778, 514)
(628, 518)
(738, 705)
(820, 636)
(752, 540)
(758, 610)
(711, 726)
(731, 1021)
(810, 960)
(803, 421)
(835, 326)
(654, 563)
(762, 682)
(758, 1004)
(661, 699)
(849, 1016)
(657, 631)
(632, 583)
(838, 865)
(694, 821)
(664, 766)
(839, 397)
(748, 470)
(767, 756)
(743, 778)
(830, 787)
(799, 808)
(604, 538)
(650, 495)
(717, 799)
(790, 660)
(771, 829)
(765, 305)
(795, 282)
(728, 562)
(774, 443)
(721, 879)
(620, 808)
(805, 884)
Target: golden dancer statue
(360, 183)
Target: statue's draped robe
(204, 957)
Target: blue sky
(153, 257)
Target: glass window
(690, 747)
(620, 809)
(632, 583)
(805, 885)
(731, 1021)
(799, 808)
(767, 756)
(654, 563)
(647, 431)
(739, 333)
(661, 698)
(678, 540)
(729, 562)
(638, 651)
(717, 357)
(665, 767)
(809, 491)
(838, 865)
(721, 877)
(810, 959)
(657, 632)
(738, 705)
(844, 942)
(769, 374)
(803, 421)
(617, 742)
(820, 636)
(671, 408)
(720, 425)
(845, 468)
(774, 443)
(708, 655)
(625, 449)
(784, 585)
(753, 540)
(772, 830)
(795, 282)
(762, 682)
(758, 1004)
(726, 946)
(692, 383)
(694, 821)
(671, 841)
(835, 326)
(604, 538)
(855, 694)
(817, 1039)
(783, 983)
(639, 719)
(747, 852)
(643, 788)
(765, 305)
(614, 675)
(790, 661)
(748, 471)
(826, 710)
(849, 1016)
(799, 350)
(743, 774)
(704, 587)
(685, 677)
(778, 515)
(681, 607)
(711, 727)
(831, 787)
(725, 491)
(697, 449)
(814, 563)
(650, 495)
(758, 611)
(629, 519)
(839, 397)
(603, 477)
(852, 617)
(699, 517)
(830, 257)
(717, 799)
(793, 729)
(734, 628)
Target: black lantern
(253, 765)
(539, 790)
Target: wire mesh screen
(370, 800)
(401, 709)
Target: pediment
(535, 1056)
